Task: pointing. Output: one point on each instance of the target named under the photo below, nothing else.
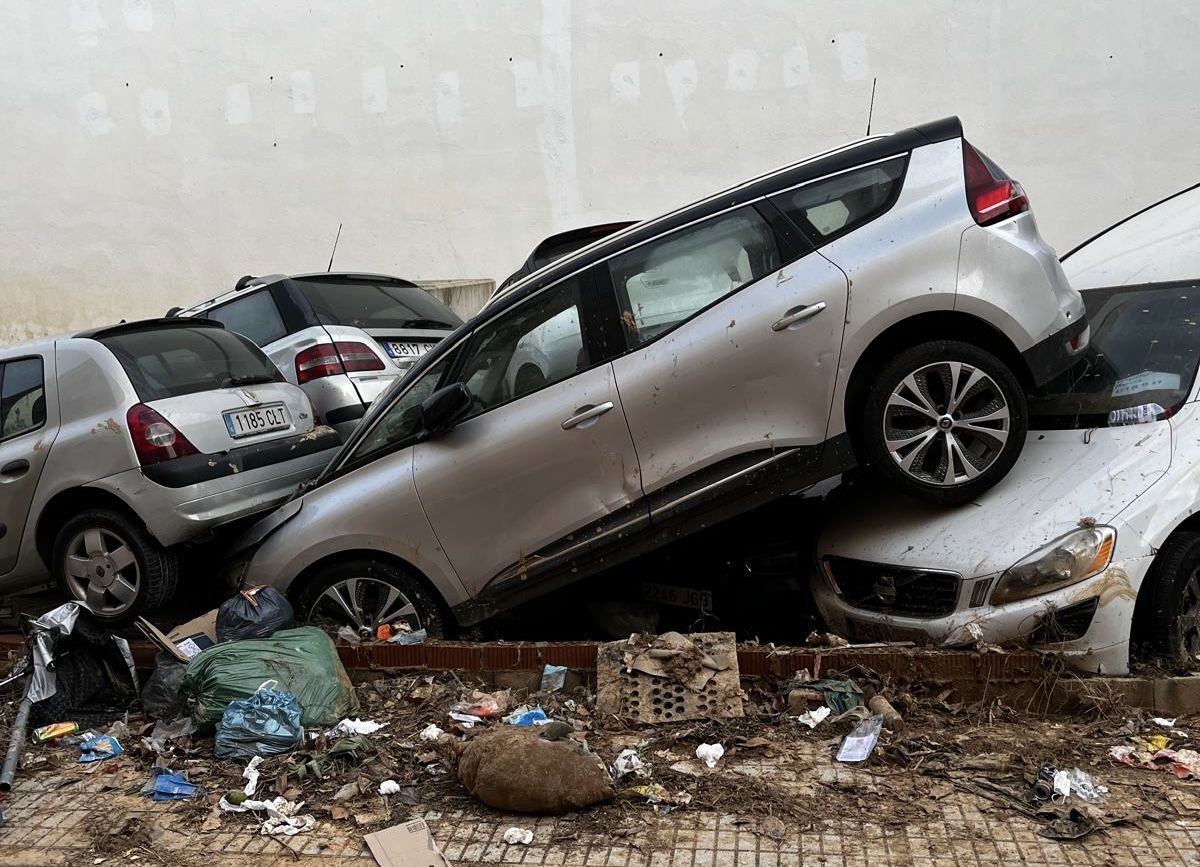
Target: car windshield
(365, 304)
(170, 362)
(1139, 365)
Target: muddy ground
(776, 775)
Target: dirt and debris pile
(519, 770)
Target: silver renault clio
(887, 303)
(118, 444)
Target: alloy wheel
(946, 423)
(1189, 618)
(363, 604)
(102, 570)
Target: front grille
(894, 589)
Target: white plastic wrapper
(710, 754)
(518, 836)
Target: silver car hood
(1059, 480)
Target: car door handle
(798, 314)
(13, 470)
(587, 413)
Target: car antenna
(334, 251)
(871, 109)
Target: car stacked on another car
(1090, 547)
(344, 338)
(118, 444)
(888, 301)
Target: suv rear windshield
(364, 304)
(170, 362)
(1139, 365)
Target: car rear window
(170, 362)
(364, 304)
(1139, 365)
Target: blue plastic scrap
(99, 748)
(171, 786)
(534, 717)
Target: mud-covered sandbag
(302, 661)
(259, 612)
(517, 770)
(162, 696)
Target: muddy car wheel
(366, 594)
(944, 421)
(1172, 625)
(108, 560)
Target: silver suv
(343, 338)
(117, 445)
(887, 301)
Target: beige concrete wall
(155, 150)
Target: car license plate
(259, 420)
(680, 597)
(406, 349)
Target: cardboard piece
(186, 640)
(407, 845)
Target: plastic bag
(162, 696)
(265, 724)
(259, 612)
(303, 661)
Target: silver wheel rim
(364, 604)
(102, 570)
(946, 423)
(1189, 619)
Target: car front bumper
(1096, 614)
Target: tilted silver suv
(344, 338)
(889, 300)
(118, 444)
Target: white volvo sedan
(1090, 547)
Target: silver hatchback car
(117, 445)
(888, 301)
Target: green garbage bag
(302, 661)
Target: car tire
(1169, 617)
(108, 560)
(943, 421)
(357, 593)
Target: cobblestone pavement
(72, 818)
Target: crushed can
(54, 730)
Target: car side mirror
(444, 407)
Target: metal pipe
(9, 770)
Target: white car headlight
(1067, 560)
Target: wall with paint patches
(156, 150)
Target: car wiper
(425, 323)
(252, 379)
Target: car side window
(666, 281)
(401, 422)
(536, 344)
(830, 207)
(254, 316)
(22, 397)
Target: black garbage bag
(259, 612)
(162, 696)
(93, 683)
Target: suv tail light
(328, 359)
(991, 194)
(154, 438)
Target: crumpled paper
(283, 816)
(354, 727)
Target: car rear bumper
(1048, 358)
(176, 514)
(1088, 623)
